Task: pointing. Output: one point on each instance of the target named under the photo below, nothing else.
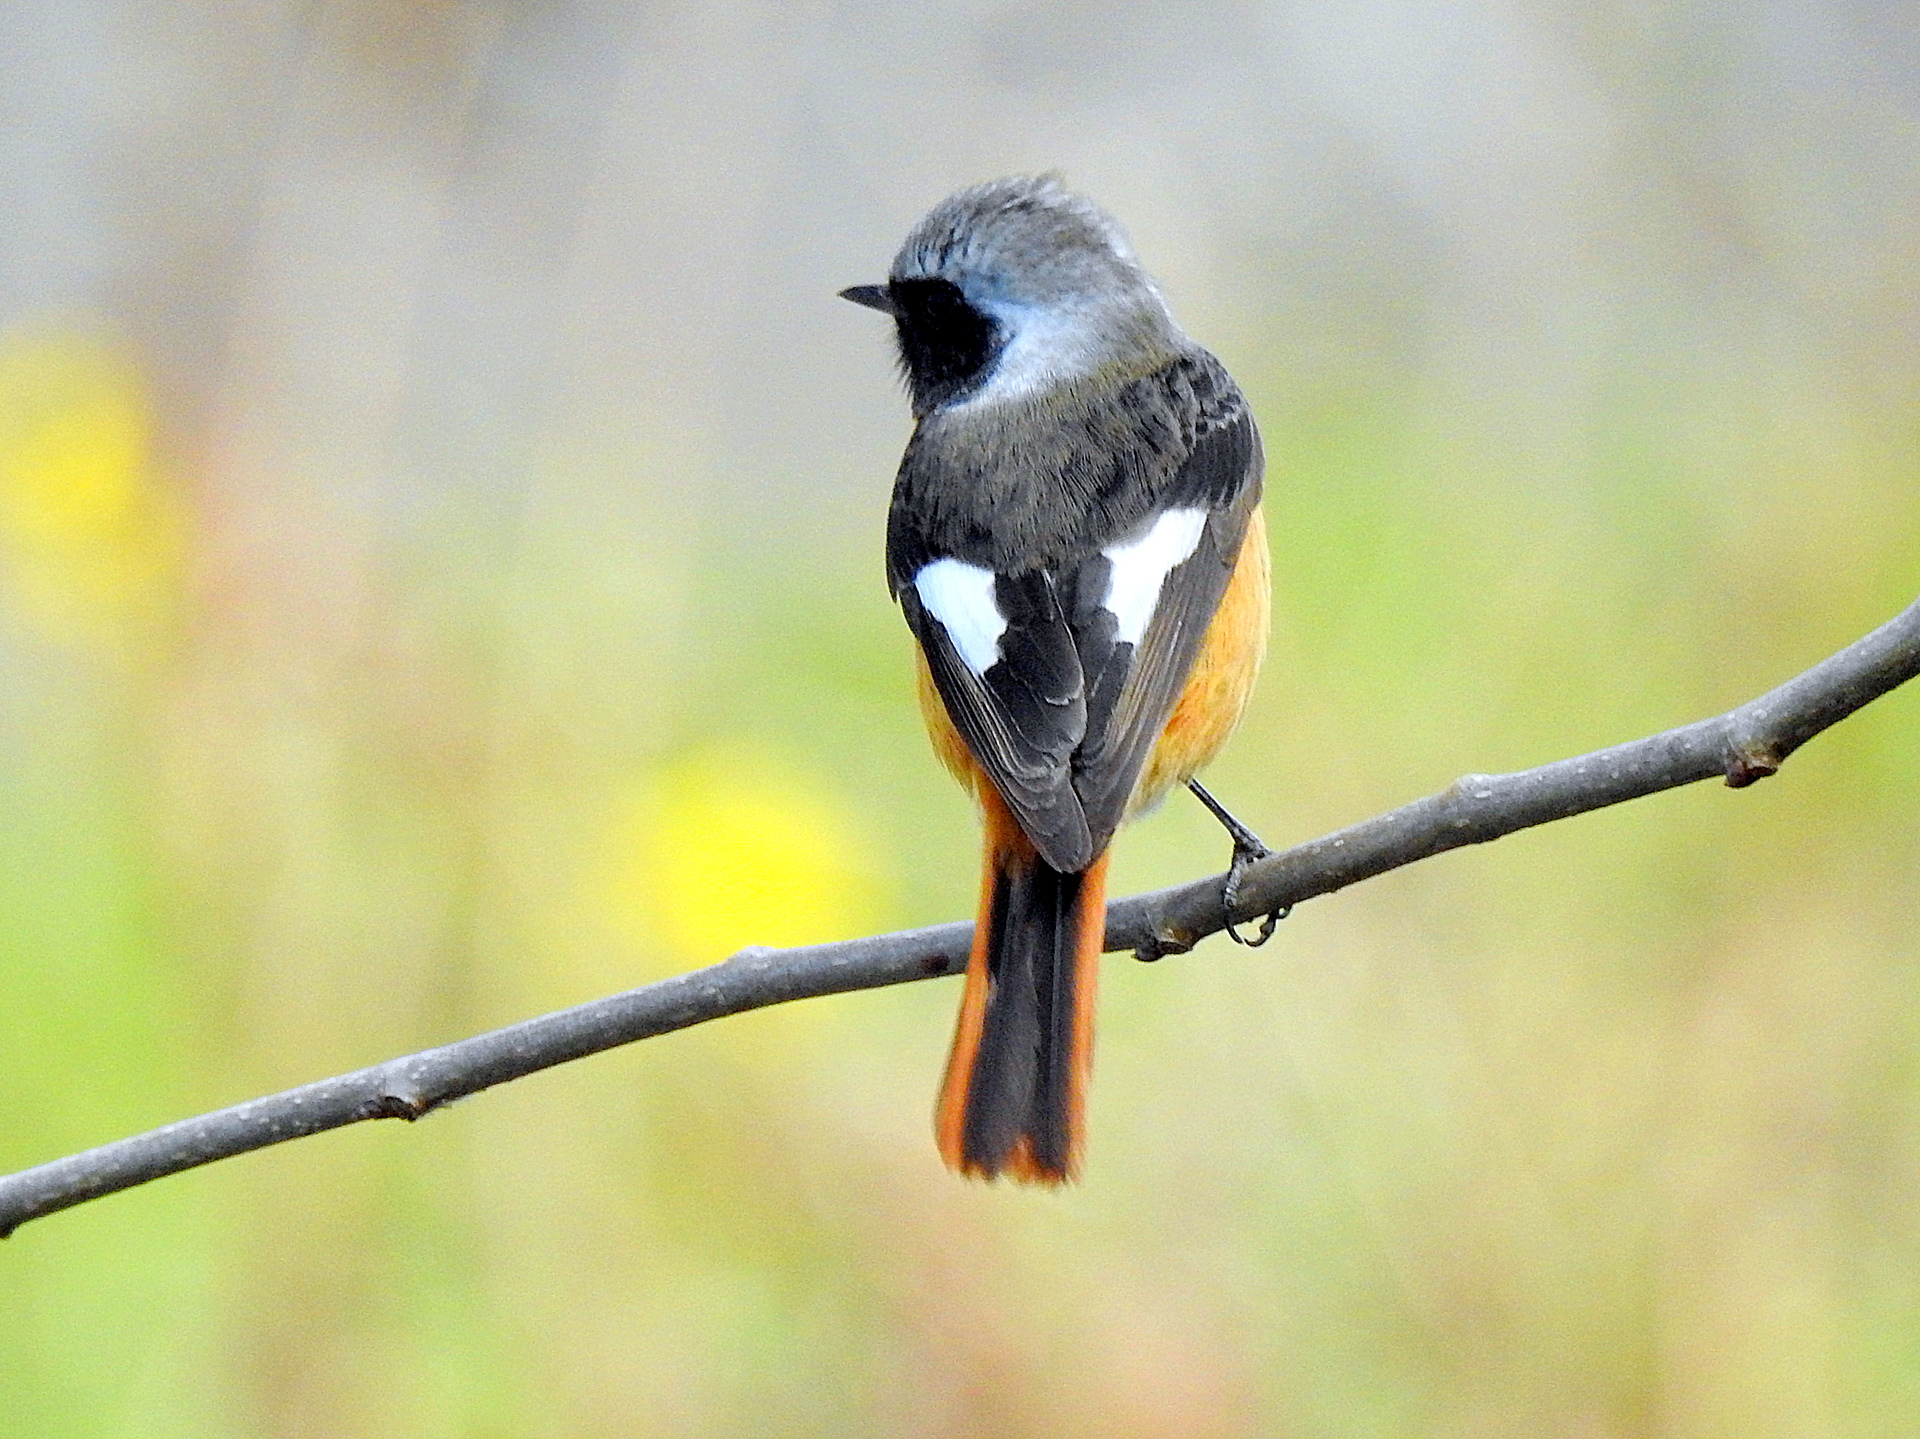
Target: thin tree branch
(1743, 745)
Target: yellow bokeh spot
(91, 541)
(723, 849)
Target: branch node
(396, 1106)
(1748, 761)
(1472, 786)
(1162, 941)
(399, 1096)
(1464, 806)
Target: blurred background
(440, 580)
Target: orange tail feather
(1014, 1100)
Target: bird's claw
(1247, 851)
(1243, 857)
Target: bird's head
(1014, 287)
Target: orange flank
(1216, 693)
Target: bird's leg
(1247, 848)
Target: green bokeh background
(438, 491)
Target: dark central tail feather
(1014, 1101)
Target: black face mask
(947, 346)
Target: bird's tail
(1014, 1101)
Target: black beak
(874, 297)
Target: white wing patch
(960, 596)
(1141, 566)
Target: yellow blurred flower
(90, 540)
(725, 848)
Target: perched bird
(1076, 541)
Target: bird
(1076, 542)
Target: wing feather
(1024, 715)
(1063, 688)
(1135, 690)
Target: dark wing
(1020, 703)
(1133, 684)
(1060, 583)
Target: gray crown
(1026, 241)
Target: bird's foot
(1248, 849)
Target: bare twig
(1743, 745)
